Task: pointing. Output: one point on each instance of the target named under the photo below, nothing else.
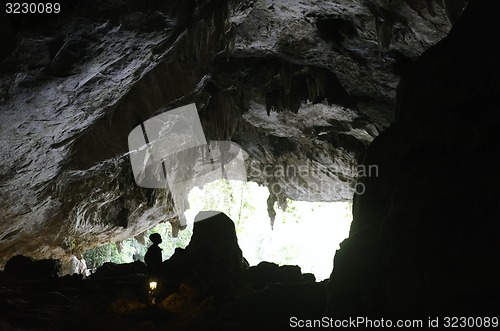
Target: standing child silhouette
(153, 257)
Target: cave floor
(70, 303)
(121, 303)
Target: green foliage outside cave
(131, 249)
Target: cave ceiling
(293, 82)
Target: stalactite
(141, 238)
(286, 77)
(292, 85)
(119, 246)
(384, 34)
(453, 9)
(312, 90)
(270, 206)
(430, 7)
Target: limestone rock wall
(66, 181)
(425, 236)
(295, 83)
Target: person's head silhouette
(155, 238)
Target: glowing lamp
(153, 285)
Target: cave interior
(406, 87)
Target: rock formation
(297, 84)
(24, 268)
(424, 238)
(212, 255)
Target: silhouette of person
(153, 257)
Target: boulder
(26, 268)
(212, 257)
(110, 269)
(267, 272)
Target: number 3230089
(32, 8)
(470, 322)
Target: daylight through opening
(306, 234)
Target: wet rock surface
(73, 87)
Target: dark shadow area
(425, 237)
(206, 286)
(335, 29)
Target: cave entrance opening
(306, 234)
